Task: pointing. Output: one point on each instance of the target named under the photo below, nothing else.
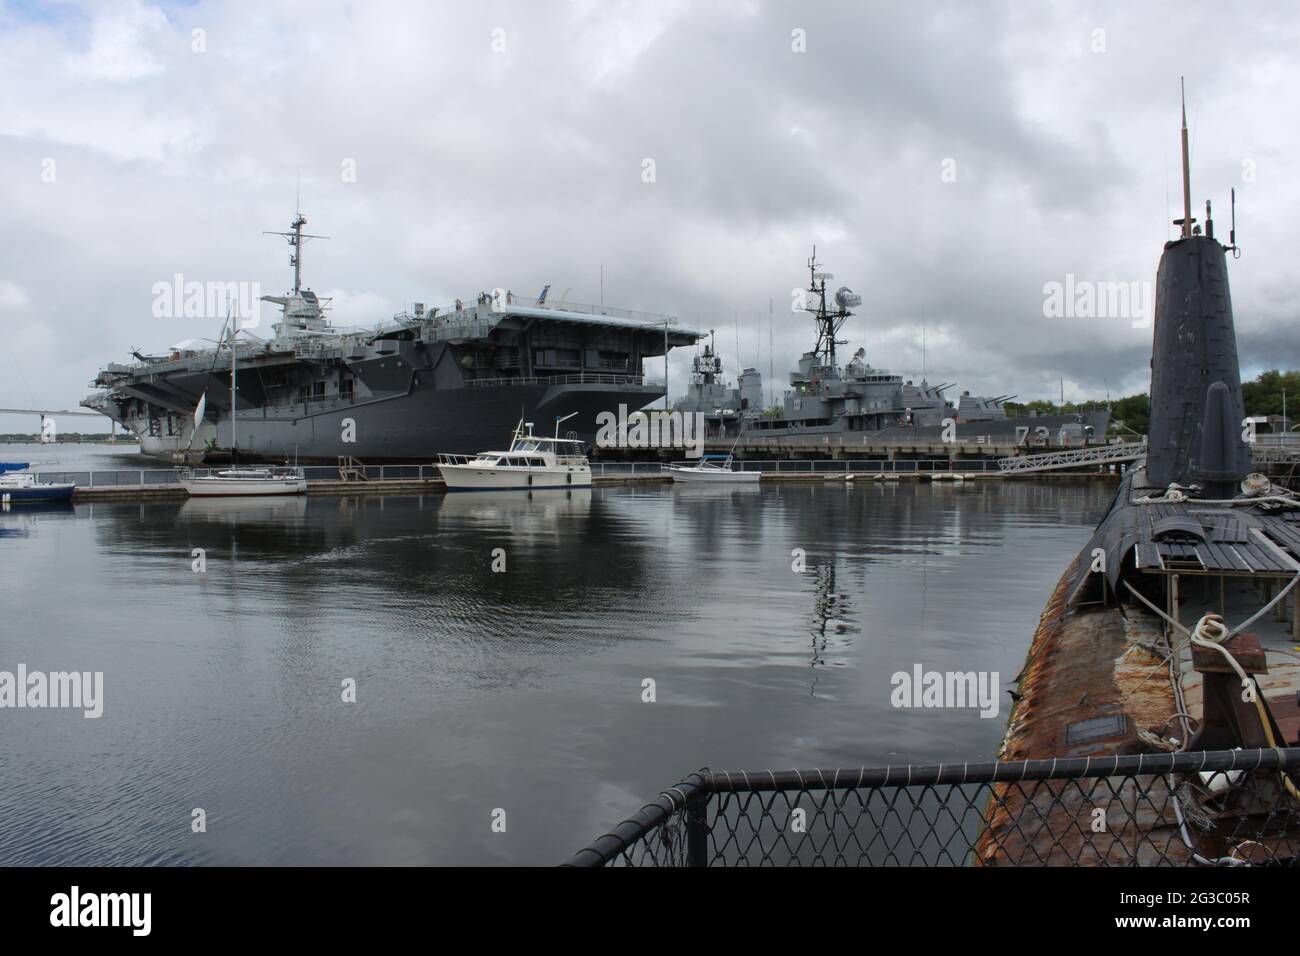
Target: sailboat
(237, 481)
(16, 485)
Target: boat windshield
(558, 446)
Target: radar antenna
(828, 320)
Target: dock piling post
(697, 830)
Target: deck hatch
(1177, 527)
(1096, 728)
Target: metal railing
(1224, 808)
(149, 477)
(874, 465)
(1265, 452)
(1283, 440)
(646, 468)
(578, 378)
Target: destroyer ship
(830, 400)
(430, 381)
(725, 409)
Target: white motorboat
(712, 468)
(245, 482)
(532, 463)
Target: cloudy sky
(948, 159)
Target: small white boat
(532, 463)
(244, 482)
(714, 468)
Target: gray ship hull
(413, 427)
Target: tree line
(1131, 414)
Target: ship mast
(828, 321)
(233, 363)
(296, 239)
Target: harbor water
(502, 649)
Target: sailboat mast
(232, 396)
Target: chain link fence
(1219, 808)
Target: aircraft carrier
(429, 381)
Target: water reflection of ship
(541, 506)
(829, 609)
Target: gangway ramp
(1073, 458)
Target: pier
(145, 483)
(1096, 461)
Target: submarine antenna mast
(1232, 230)
(1187, 220)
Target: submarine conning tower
(1195, 346)
(1195, 434)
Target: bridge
(49, 417)
(51, 412)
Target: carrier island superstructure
(429, 381)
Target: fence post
(697, 830)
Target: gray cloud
(477, 169)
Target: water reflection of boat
(716, 490)
(20, 522)
(245, 510)
(498, 505)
